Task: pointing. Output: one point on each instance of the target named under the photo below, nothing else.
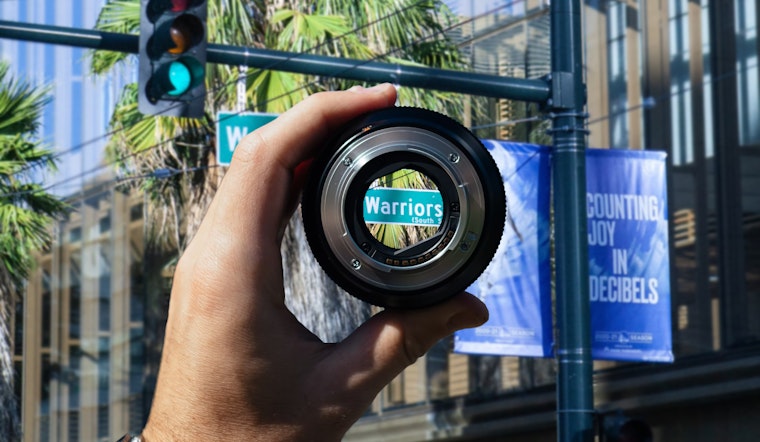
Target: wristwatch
(131, 438)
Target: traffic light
(616, 426)
(172, 57)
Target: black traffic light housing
(616, 426)
(172, 57)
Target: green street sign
(231, 127)
(410, 207)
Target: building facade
(62, 359)
(80, 336)
(680, 76)
(75, 123)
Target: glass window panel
(75, 359)
(75, 234)
(680, 84)
(707, 81)
(104, 287)
(750, 167)
(104, 303)
(73, 425)
(77, 124)
(747, 73)
(693, 327)
(44, 404)
(105, 223)
(75, 296)
(137, 295)
(617, 68)
(46, 308)
(136, 359)
(103, 385)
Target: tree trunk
(323, 307)
(9, 418)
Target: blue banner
(516, 286)
(629, 279)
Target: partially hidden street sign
(231, 127)
(411, 207)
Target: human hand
(237, 365)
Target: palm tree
(401, 31)
(26, 213)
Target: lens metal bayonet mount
(472, 211)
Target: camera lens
(404, 208)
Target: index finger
(254, 194)
(308, 124)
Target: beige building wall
(80, 379)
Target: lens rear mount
(453, 191)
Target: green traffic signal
(179, 78)
(174, 79)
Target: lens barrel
(404, 208)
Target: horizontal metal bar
(362, 70)
(83, 38)
(374, 71)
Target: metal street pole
(362, 70)
(575, 402)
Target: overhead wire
(647, 103)
(305, 85)
(271, 66)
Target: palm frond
(401, 31)
(20, 104)
(26, 209)
(276, 91)
(119, 16)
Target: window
(46, 308)
(103, 384)
(747, 73)
(680, 84)
(616, 71)
(75, 296)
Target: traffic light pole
(363, 70)
(575, 402)
(564, 96)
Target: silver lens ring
(447, 253)
(473, 207)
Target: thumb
(393, 339)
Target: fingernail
(373, 89)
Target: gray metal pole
(575, 401)
(362, 70)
